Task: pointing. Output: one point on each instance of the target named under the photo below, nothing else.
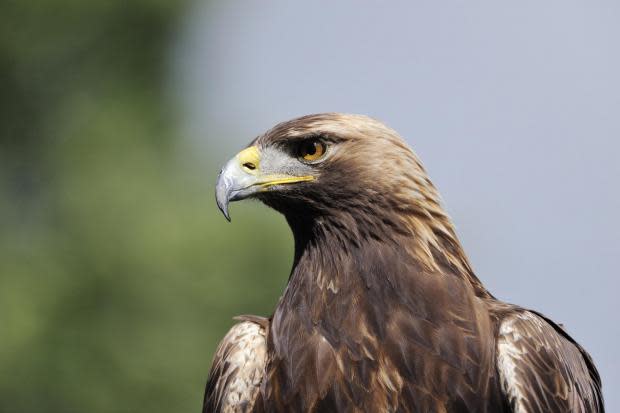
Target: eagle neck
(336, 256)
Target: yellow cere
(249, 158)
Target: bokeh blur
(116, 281)
(118, 275)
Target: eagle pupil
(311, 148)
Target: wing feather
(238, 368)
(542, 369)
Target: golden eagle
(382, 311)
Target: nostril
(249, 165)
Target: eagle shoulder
(238, 367)
(542, 369)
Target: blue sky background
(514, 109)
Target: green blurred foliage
(118, 276)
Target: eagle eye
(312, 150)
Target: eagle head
(346, 169)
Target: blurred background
(118, 275)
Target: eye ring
(311, 150)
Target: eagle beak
(241, 178)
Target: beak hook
(223, 188)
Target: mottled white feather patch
(509, 354)
(245, 359)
